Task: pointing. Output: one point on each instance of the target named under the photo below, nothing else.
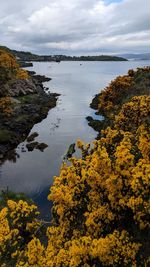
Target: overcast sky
(75, 26)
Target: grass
(5, 135)
(25, 99)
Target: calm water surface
(33, 172)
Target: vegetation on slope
(28, 56)
(9, 68)
(101, 200)
(121, 90)
(9, 73)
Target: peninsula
(28, 56)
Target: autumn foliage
(100, 201)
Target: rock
(22, 87)
(24, 64)
(95, 102)
(31, 146)
(70, 151)
(41, 146)
(31, 73)
(36, 145)
(23, 150)
(89, 118)
(97, 125)
(31, 137)
(14, 100)
(41, 78)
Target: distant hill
(143, 56)
(27, 56)
(91, 58)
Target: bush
(9, 68)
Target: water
(33, 172)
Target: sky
(76, 27)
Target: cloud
(47, 26)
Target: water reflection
(11, 156)
(55, 125)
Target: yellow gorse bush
(134, 113)
(100, 201)
(9, 68)
(22, 74)
(9, 73)
(119, 90)
(7, 60)
(18, 224)
(110, 97)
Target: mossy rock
(26, 98)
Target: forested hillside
(100, 200)
(28, 56)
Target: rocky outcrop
(24, 64)
(22, 87)
(30, 105)
(41, 78)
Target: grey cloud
(75, 26)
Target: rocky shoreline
(30, 105)
(97, 125)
